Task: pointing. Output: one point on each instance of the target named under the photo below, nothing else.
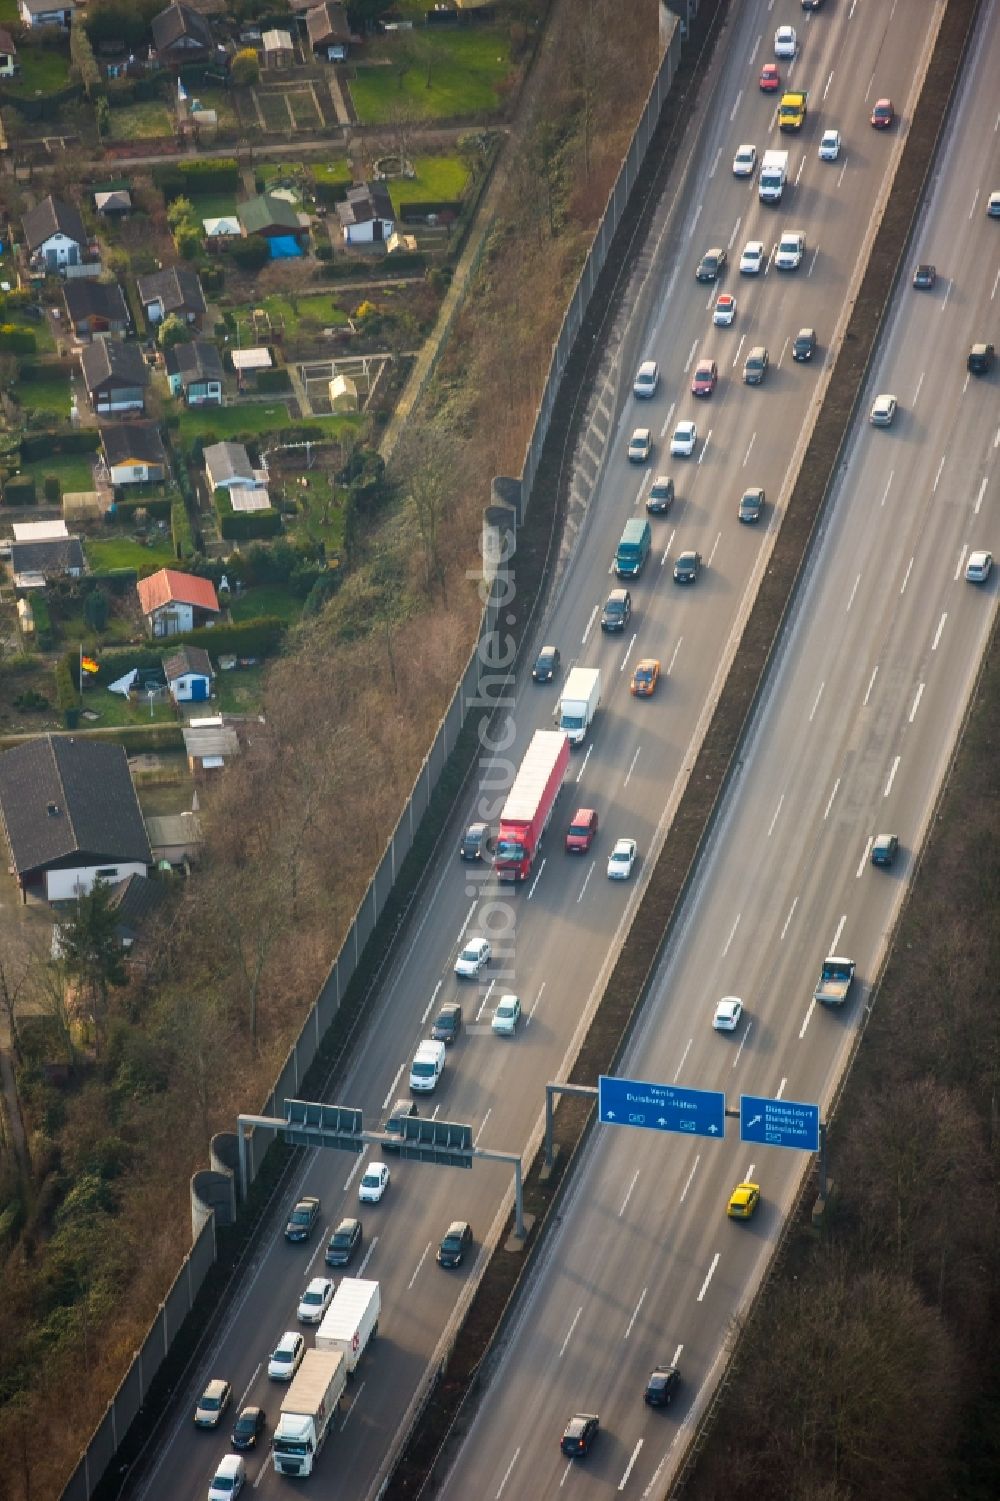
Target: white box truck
(307, 1411)
(351, 1320)
(579, 702)
(773, 176)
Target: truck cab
(792, 111)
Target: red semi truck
(529, 804)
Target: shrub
(15, 340)
(324, 251)
(241, 526)
(19, 490)
(95, 610)
(274, 380)
(244, 70)
(31, 700)
(42, 445)
(52, 489)
(249, 255)
(213, 278)
(44, 634)
(205, 175)
(67, 693)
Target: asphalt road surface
(853, 740)
(570, 921)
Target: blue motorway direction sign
(661, 1107)
(779, 1123)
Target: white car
(228, 1479)
(315, 1300)
(684, 438)
(506, 1016)
(374, 1183)
(640, 446)
(621, 860)
(883, 411)
(752, 258)
(647, 379)
(829, 146)
(473, 958)
(727, 1014)
(785, 41)
(725, 310)
(287, 1357)
(979, 567)
(791, 249)
(744, 161)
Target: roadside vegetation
(119, 1108)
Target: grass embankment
(439, 76)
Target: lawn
(439, 179)
(214, 206)
(112, 709)
(240, 691)
(219, 99)
(323, 309)
(9, 13)
(141, 122)
(320, 510)
(467, 67)
(266, 599)
(335, 171)
(74, 471)
(227, 422)
(109, 553)
(43, 70)
(51, 395)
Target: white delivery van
(427, 1066)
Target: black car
(924, 277)
(249, 1428)
(617, 611)
(579, 1435)
(344, 1241)
(401, 1111)
(302, 1220)
(751, 504)
(476, 842)
(885, 849)
(805, 344)
(687, 568)
(546, 664)
(448, 1024)
(455, 1243)
(661, 495)
(981, 359)
(711, 265)
(661, 1388)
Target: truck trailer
(351, 1320)
(530, 803)
(307, 1411)
(579, 702)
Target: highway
(852, 739)
(568, 924)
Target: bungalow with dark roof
(134, 453)
(366, 215)
(116, 376)
(329, 31)
(34, 563)
(70, 815)
(174, 602)
(194, 371)
(95, 307)
(181, 36)
(46, 12)
(177, 289)
(54, 234)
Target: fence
(468, 696)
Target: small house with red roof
(173, 602)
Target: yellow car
(646, 677)
(743, 1201)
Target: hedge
(274, 380)
(14, 340)
(119, 581)
(29, 370)
(250, 638)
(129, 504)
(43, 621)
(19, 490)
(67, 693)
(41, 445)
(180, 532)
(114, 665)
(187, 179)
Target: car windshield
(422, 1071)
(301, 1216)
(211, 1403)
(282, 1355)
(471, 954)
(509, 849)
(505, 1009)
(342, 1239)
(573, 721)
(245, 1424)
(613, 607)
(579, 828)
(451, 1243)
(371, 1180)
(223, 1483)
(313, 1297)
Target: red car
(883, 114)
(706, 373)
(580, 834)
(770, 79)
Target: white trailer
(351, 1320)
(307, 1411)
(579, 702)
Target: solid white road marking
(690, 1180)
(836, 937)
(683, 1057)
(819, 695)
(916, 701)
(569, 1332)
(791, 913)
(628, 1468)
(586, 881)
(507, 1473)
(537, 879)
(583, 765)
(392, 1087)
(829, 805)
(628, 775)
(906, 578)
(430, 1004)
(774, 820)
(864, 857)
(711, 1273)
(937, 633)
(635, 1313)
(892, 775)
(420, 1263)
(871, 685)
(853, 592)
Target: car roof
(317, 1283)
(647, 366)
(347, 1224)
(375, 1167)
(457, 1227)
(288, 1340)
(230, 1464)
(618, 595)
(452, 1008)
(582, 813)
(622, 846)
(215, 1388)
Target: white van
(427, 1066)
(228, 1479)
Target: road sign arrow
(661, 1120)
(611, 1115)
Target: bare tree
(587, 63)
